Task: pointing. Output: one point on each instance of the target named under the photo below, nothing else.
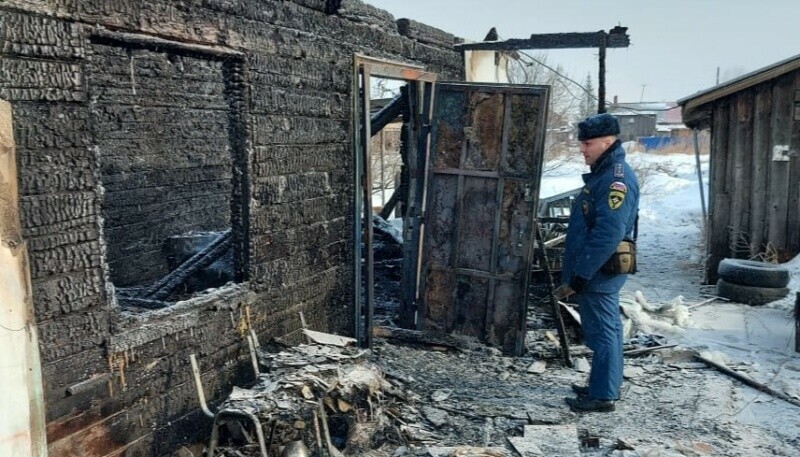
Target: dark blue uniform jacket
(601, 216)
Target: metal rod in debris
(199, 384)
(562, 332)
(748, 380)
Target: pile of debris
(318, 399)
(336, 400)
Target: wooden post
(717, 236)
(369, 281)
(23, 430)
(741, 150)
(700, 177)
(601, 77)
(781, 125)
(762, 156)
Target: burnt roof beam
(615, 38)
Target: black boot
(581, 391)
(590, 404)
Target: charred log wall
(272, 151)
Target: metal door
(486, 149)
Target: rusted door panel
(439, 297)
(524, 121)
(513, 238)
(440, 233)
(471, 294)
(486, 155)
(484, 135)
(451, 130)
(476, 225)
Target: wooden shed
(754, 188)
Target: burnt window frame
(236, 93)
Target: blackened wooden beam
(601, 78)
(163, 288)
(387, 114)
(617, 38)
(387, 209)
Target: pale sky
(676, 45)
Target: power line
(587, 91)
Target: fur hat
(598, 125)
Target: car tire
(755, 274)
(749, 294)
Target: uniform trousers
(602, 331)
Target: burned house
(192, 175)
(224, 121)
(754, 187)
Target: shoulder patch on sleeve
(615, 199)
(619, 171)
(620, 186)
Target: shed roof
(666, 112)
(691, 103)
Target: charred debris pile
(405, 397)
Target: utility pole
(602, 40)
(641, 97)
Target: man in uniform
(603, 214)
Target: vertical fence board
(779, 170)
(717, 241)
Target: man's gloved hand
(578, 284)
(563, 291)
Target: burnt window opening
(168, 126)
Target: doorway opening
(392, 108)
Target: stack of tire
(751, 282)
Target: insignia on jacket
(619, 171)
(585, 207)
(615, 199)
(586, 190)
(620, 186)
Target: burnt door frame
(504, 172)
(420, 83)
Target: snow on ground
(758, 341)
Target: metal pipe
(199, 384)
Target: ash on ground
(429, 400)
